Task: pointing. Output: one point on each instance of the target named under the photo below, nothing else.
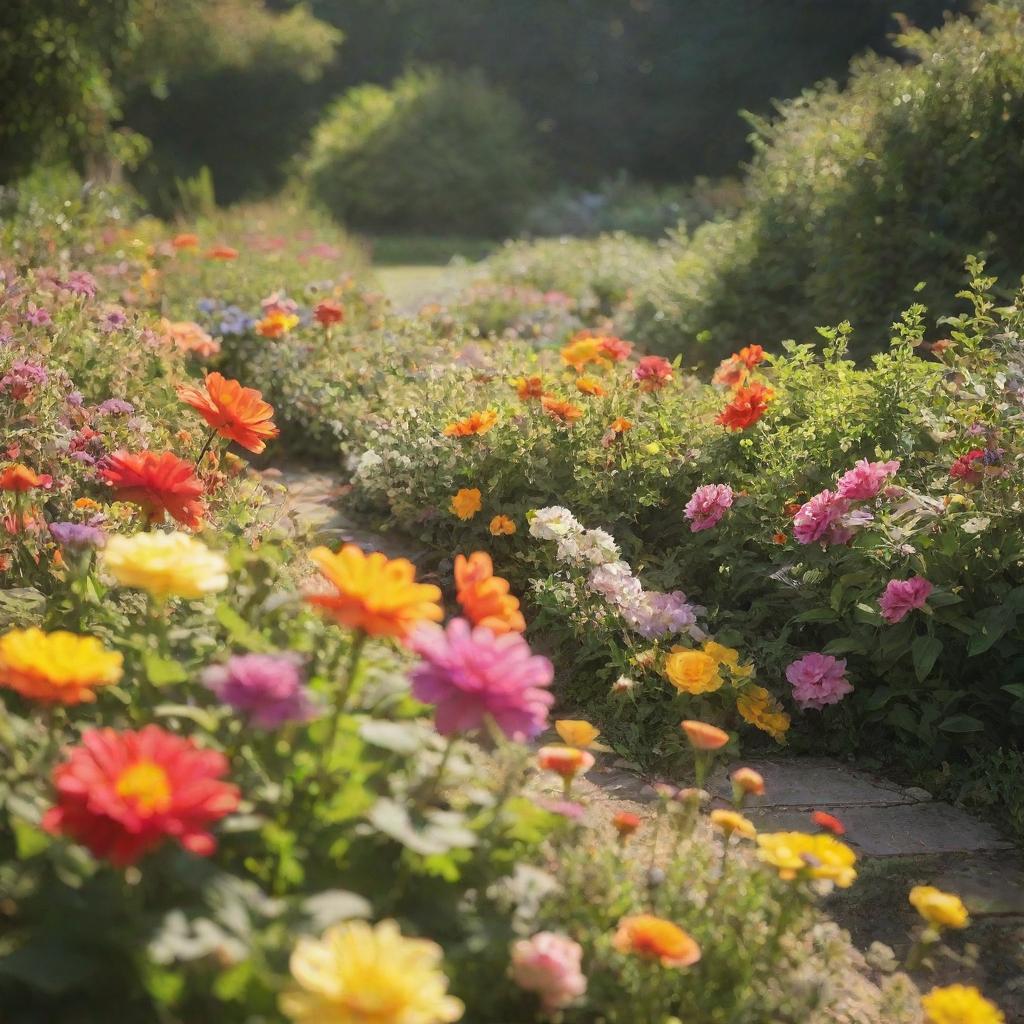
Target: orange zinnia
(731, 372)
(484, 597)
(748, 405)
(581, 351)
(235, 412)
(620, 425)
(750, 355)
(185, 241)
(590, 386)
(654, 938)
(222, 252)
(20, 478)
(703, 736)
(157, 482)
(373, 593)
(474, 424)
(529, 387)
(557, 409)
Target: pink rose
(817, 517)
(707, 506)
(549, 965)
(817, 680)
(901, 597)
(865, 480)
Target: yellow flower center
(146, 784)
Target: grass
(427, 250)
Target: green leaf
(961, 723)
(29, 840)
(400, 737)
(991, 625)
(240, 632)
(1017, 689)
(817, 615)
(204, 719)
(333, 905)
(926, 650)
(163, 671)
(435, 832)
(843, 645)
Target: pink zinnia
(817, 516)
(901, 597)
(865, 480)
(549, 964)
(616, 348)
(707, 506)
(652, 373)
(818, 680)
(469, 674)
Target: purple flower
(113, 320)
(115, 407)
(657, 614)
(707, 506)
(37, 316)
(469, 674)
(818, 680)
(77, 536)
(81, 283)
(266, 688)
(901, 597)
(865, 480)
(76, 399)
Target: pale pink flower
(817, 516)
(549, 965)
(707, 506)
(901, 597)
(818, 679)
(865, 480)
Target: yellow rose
(693, 672)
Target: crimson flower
(158, 482)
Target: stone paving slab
(990, 886)
(815, 783)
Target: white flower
(368, 462)
(615, 582)
(553, 523)
(569, 548)
(598, 547)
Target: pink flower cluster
(470, 674)
(818, 680)
(901, 597)
(830, 517)
(707, 506)
(549, 965)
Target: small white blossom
(553, 523)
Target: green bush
(857, 196)
(436, 151)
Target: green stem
(434, 785)
(206, 446)
(341, 699)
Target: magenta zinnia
(470, 674)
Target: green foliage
(436, 151)
(859, 197)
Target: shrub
(436, 151)
(856, 196)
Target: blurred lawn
(427, 250)
(412, 286)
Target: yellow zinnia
(166, 565)
(359, 973)
(731, 821)
(939, 908)
(693, 672)
(761, 710)
(960, 1004)
(819, 856)
(576, 732)
(466, 503)
(57, 668)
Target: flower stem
(435, 782)
(341, 699)
(206, 446)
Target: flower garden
(245, 776)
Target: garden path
(903, 836)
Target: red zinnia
(20, 478)
(235, 412)
(748, 405)
(122, 794)
(329, 312)
(157, 482)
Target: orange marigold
(474, 424)
(20, 478)
(502, 526)
(235, 412)
(372, 593)
(158, 482)
(560, 410)
(748, 405)
(654, 938)
(466, 502)
(484, 597)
